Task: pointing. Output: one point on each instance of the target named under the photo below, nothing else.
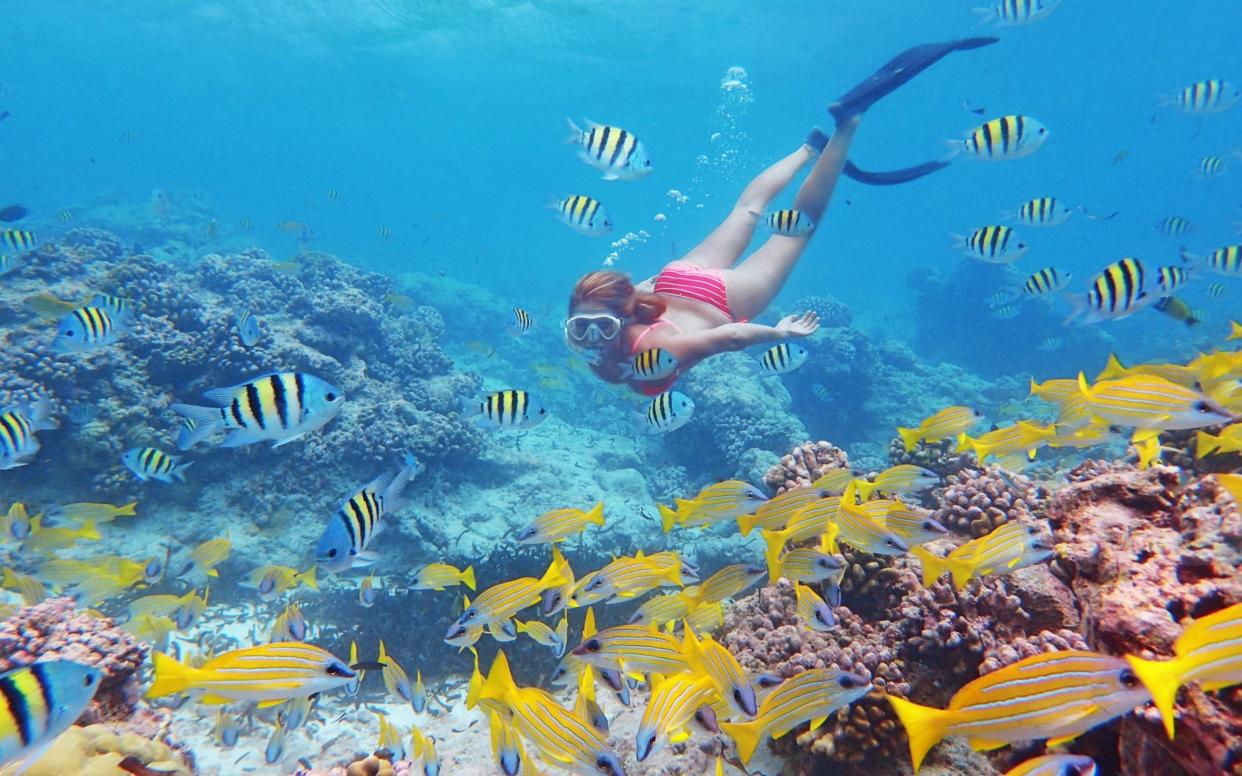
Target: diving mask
(592, 328)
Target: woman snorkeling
(701, 304)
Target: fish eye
(593, 645)
(847, 682)
(542, 411)
(737, 695)
(332, 553)
(330, 396)
(336, 669)
(1042, 130)
(603, 765)
(927, 526)
(1203, 407)
(88, 680)
(1128, 678)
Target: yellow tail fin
(747, 523)
(127, 510)
(1163, 679)
(933, 566)
(775, 541)
(596, 515)
(171, 677)
(308, 578)
(865, 489)
(499, 683)
(746, 736)
(668, 517)
(1233, 484)
(467, 577)
(1206, 444)
(909, 437)
(924, 726)
(88, 530)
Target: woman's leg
(756, 281)
(724, 246)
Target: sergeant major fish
(616, 153)
(18, 426)
(151, 463)
(585, 215)
(351, 529)
(279, 406)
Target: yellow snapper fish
(860, 530)
(226, 731)
(100, 513)
(812, 521)
(1088, 436)
(810, 696)
(290, 625)
(1150, 402)
(1054, 695)
(709, 658)
(38, 702)
(834, 481)
(184, 609)
(366, 591)
(898, 480)
(439, 576)
(714, 504)
(810, 564)
(396, 680)
(507, 746)
(423, 752)
(814, 610)
(505, 599)
(1021, 437)
(200, 562)
(16, 524)
(1227, 441)
(555, 599)
(51, 540)
(674, 700)
(1055, 765)
(777, 511)
(914, 526)
(1009, 547)
(560, 735)
(153, 629)
(268, 674)
(274, 581)
(1208, 652)
(730, 581)
(30, 589)
(626, 577)
(706, 618)
(945, 424)
(559, 524)
(632, 649)
(1174, 373)
(389, 737)
(1235, 331)
(1148, 448)
(543, 634)
(661, 610)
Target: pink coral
(804, 464)
(53, 629)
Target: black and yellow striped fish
(87, 328)
(585, 215)
(65, 215)
(344, 541)
(789, 222)
(521, 322)
(279, 407)
(1045, 281)
(18, 426)
(1008, 137)
(1119, 290)
(668, 412)
(993, 244)
(783, 358)
(19, 240)
(1209, 96)
(1169, 279)
(1043, 212)
(1014, 12)
(384, 232)
(38, 703)
(9, 263)
(615, 152)
(1174, 226)
(152, 463)
(117, 306)
(1216, 291)
(648, 365)
(1226, 261)
(510, 408)
(1211, 166)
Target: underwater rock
(832, 312)
(1141, 551)
(99, 750)
(938, 457)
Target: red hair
(615, 291)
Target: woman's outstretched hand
(799, 325)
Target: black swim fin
(898, 71)
(892, 177)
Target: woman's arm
(694, 347)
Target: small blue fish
(151, 463)
(1006, 312)
(248, 328)
(821, 392)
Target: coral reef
(833, 313)
(1141, 552)
(975, 502)
(53, 630)
(99, 750)
(938, 457)
(804, 464)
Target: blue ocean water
(426, 138)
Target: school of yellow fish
(694, 682)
